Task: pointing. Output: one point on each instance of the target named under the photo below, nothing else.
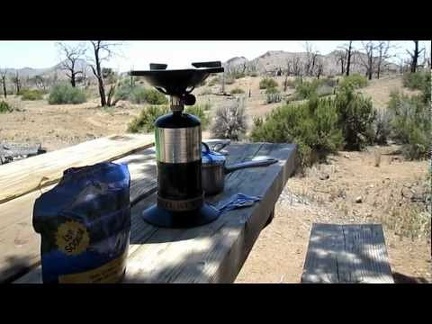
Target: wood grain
(24, 176)
(214, 252)
(347, 254)
(20, 244)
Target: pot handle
(220, 145)
(249, 164)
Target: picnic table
(213, 253)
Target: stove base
(157, 216)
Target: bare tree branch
(415, 54)
(102, 51)
(368, 61)
(72, 54)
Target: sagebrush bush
(144, 123)
(356, 117)
(64, 93)
(356, 80)
(411, 125)
(306, 89)
(31, 94)
(273, 95)
(382, 126)
(200, 112)
(5, 107)
(266, 83)
(311, 125)
(237, 91)
(416, 81)
(141, 95)
(230, 121)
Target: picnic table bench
(207, 254)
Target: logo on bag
(72, 238)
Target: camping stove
(180, 197)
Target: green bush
(382, 126)
(411, 125)
(66, 94)
(200, 112)
(230, 121)
(273, 95)
(356, 80)
(144, 123)
(141, 95)
(306, 89)
(5, 107)
(311, 125)
(266, 83)
(237, 91)
(416, 81)
(33, 94)
(356, 117)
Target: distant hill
(268, 63)
(271, 61)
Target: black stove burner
(180, 197)
(176, 82)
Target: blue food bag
(84, 223)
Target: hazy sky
(177, 54)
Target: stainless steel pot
(214, 169)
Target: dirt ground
(327, 193)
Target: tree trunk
(4, 86)
(72, 80)
(348, 65)
(100, 78)
(415, 56)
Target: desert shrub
(324, 90)
(124, 89)
(237, 91)
(266, 83)
(213, 81)
(356, 80)
(311, 125)
(411, 125)
(307, 89)
(144, 123)
(382, 126)
(200, 112)
(356, 117)
(229, 79)
(141, 95)
(416, 81)
(31, 94)
(5, 107)
(289, 83)
(273, 95)
(230, 121)
(64, 93)
(330, 81)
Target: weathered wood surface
(214, 252)
(22, 177)
(20, 244)
(347, 254)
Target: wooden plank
(20, 244)
(347, 254)
(214, 252)
(22, 177)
